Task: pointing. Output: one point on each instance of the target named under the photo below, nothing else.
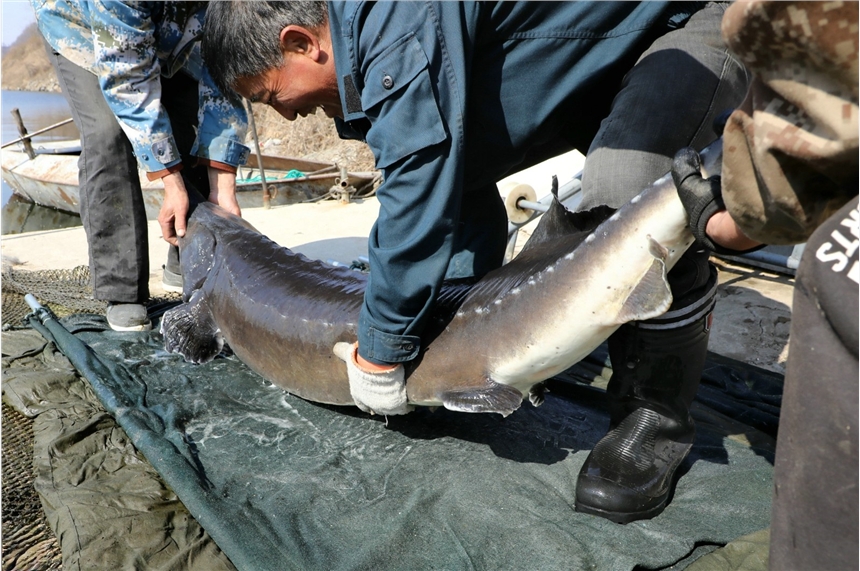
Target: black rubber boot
(656, 369)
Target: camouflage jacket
(790, 151)
(129, 45)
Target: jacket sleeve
(412, 98)
(128, 69)
(222, 126)
(127, 65)
(790, 151)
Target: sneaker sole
(145, 327)
(171, 288)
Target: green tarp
(281, 483)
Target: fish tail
(190, 331)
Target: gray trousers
(668, 100)
(112, 208)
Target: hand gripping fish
(578, 278)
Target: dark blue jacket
(453, 96)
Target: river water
(38, 110)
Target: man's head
(277, 53)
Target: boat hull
(51, 180)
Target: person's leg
(668, 101)
(112, 208)
(179, 95)
(814, 521)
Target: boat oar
(33, 134)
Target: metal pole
(34, 133)
(266, 196)
(28, 148)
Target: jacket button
(387, 81)
(408, 346)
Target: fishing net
(28, 542)
(66, 291)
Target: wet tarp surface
(107, 507)
(282, 483)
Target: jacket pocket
(399, 101)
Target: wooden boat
(51, 179)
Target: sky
(15, 15)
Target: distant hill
(26, 68)
(25, 64)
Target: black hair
(242, 38)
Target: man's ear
(300, 40)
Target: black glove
(701, 197)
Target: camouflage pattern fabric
(791, 152)
(129, 45)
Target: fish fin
(651, 297)
(537, 394)
(189, 330)
(558, 221)
(493, 397)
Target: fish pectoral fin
(537, 394)
(651, 296)
(189, 330)
(492, 397)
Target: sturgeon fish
(487, 346)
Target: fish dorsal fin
(651, 296)
(491, 397)
(559, 222)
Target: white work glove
(374, 392)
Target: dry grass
(312, 137)
(26, 68)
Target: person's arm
(129, 73)
(223, 124)
(411, 95)
(126, 62)
(709, 221)
(174, 208)
(222, 189)
(725, 232)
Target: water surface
(38, 110)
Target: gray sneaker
(171, 281)
(128, 317)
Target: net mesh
(66, 292)
(28, 542)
